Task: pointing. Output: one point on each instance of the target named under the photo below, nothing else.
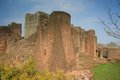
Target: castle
(58, 42)
(52, 39)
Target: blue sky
(84, 13)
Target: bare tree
(112, 25)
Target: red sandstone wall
(114, 53)
(16, 30)
(3, 45)
(9, 33)
(90, 43)
(84, 41)
(63, 21)
(42, 45)
(54, 44)
(76, 39)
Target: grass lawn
(110, 71)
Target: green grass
(109, 71)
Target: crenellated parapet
(12, 30)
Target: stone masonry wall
(84, 41)
(9, 33)
(91, 43)
(114, 53)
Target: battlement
(12, 32)
(15, 24)
(12, 25)
(78, 29)
(90, 32)
(13, 28)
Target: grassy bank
(110, 71)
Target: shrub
(27, 71)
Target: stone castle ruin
(58, 42)
(51, 39)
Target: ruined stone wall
(76, 39)
(114, 53)
(84, 41)
(90, 42)
(3, 45)
(9, 33)
(16, 31)
(13, 30)
(42, 44)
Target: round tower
(62, 17)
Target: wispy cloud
(65, 5)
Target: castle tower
(91, 42)
(57, 40)
(62, 20)
(31, 23)
(54, 48)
